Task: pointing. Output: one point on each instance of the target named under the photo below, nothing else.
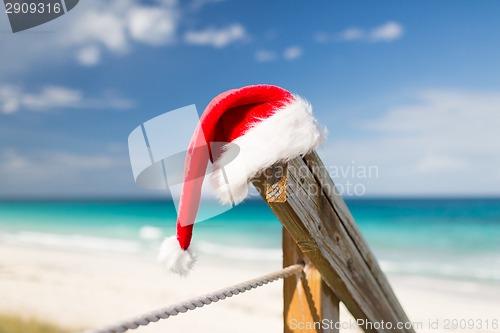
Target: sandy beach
(78, 290)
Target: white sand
(81, 290)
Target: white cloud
(153, 26)
(444, 142)
(265, 56)
(387, 32)
(51, 97)
(97, 27)
(116, 25)
(293, 53)
(58, 172)
(9, 101)
(440, 163)
(290, 53)
(322, 37)
(89, 56)
(91, 30)
(352, 34)
(199, 4)
(49, 164)
(216, 37)
(15, 98)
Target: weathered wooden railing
(319, 230)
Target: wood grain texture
(307, 300)
(309, 305)
(321, 175)
(276, 183)
(320, 224)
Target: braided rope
(199, 302)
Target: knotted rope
(199, 302)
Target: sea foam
(240, 253)
(72, 241)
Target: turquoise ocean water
(444, 238)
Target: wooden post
(309, 305)
(318, 221)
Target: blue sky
(410, 88)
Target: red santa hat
(261, 125)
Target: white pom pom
(176, 259)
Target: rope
(199, 302)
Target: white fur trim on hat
(290, 132)
(176, 259)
